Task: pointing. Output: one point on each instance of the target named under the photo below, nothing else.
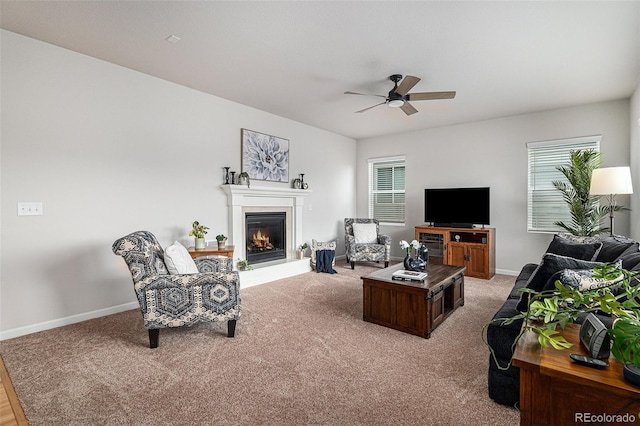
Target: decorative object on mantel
(199, 231)
(265, 157)
(297, 183)
(221, 238)
(243, 179)
(226, 175)
(243, 265)
(233, 178)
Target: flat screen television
(457, 207)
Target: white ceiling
(295, 59)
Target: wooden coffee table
(413, 307)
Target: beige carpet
(302, 355)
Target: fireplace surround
(242, 200)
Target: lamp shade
(611, 180)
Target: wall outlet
(30, 209)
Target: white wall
(634, 154)
(108, 151)
(493, 153)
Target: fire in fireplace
(266, 236)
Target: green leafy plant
(552, 309)
(586, 213)
(221, 237)
(243, 265)
(246, 176)
(198, 230)
(304, 246)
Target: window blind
(545, 204)
(387, 189)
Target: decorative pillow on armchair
(317, 245)
(178, 260)
(365, 233)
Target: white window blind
(545, 202)
(387, 190)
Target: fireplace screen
(266, 236)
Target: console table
(211, 251)
(556, 391)
(473, 248)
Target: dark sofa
(566, 252)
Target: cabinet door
(477, 264)
(457, 254)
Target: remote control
(589, 362)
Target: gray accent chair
(212, 295)
(372, 252)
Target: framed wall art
(265, 157)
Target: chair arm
(214, 264)
(155, 282)
(384, 239)
(350, 244)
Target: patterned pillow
(365, 233)
(582, 279)
(178, 260)
(317, 245)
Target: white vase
(200, 243)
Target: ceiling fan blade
(425, 96)
(364, 94)
(408, 108)
(368, 108)
(407, 84)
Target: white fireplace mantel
(241, 199)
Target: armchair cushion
(178, 260)
(365, 233)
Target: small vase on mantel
(200, 244)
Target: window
(545, 202)
(386, 189)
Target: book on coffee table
(408, 275)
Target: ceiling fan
(399, 97)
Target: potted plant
(243, 265)
(199, 231)
(586, 212)
(301, 250)
(244, 178)
(550, 309)
(220, 238)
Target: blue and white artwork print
(265, 157)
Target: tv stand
(473, 248)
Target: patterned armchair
(374, 249)
(212, 295)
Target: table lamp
(610, 181)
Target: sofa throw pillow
(317, 246)
(178, 260)
(365, 233)
(583, 279)
(550, 265)
(630, 258)
(576, 250)
(613, 246)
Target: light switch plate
(30, 209)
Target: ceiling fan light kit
(399, 96)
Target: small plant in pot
(199, 231)
(243, 265)
(244, 178)
(302, 250)
(221, 239)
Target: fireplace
(265, 236)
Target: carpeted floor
(302, 355)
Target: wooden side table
(211, 251)
(556, 391)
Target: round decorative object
(305, 185)
(407, 263)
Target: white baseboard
(507, 272)
(48, 325)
